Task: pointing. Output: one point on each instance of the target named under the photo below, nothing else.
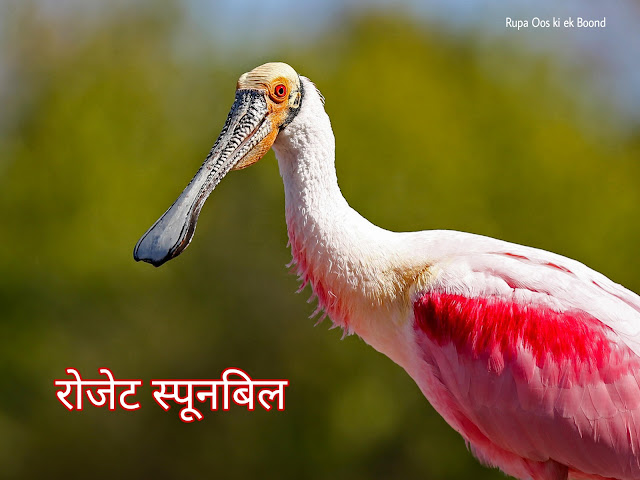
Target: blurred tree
(112, 122)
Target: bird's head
(267, 100)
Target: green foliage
(113, 127)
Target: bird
(532, 357)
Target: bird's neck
(355, 268)
(343, 256)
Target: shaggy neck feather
(336, 250)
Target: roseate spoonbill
(532, 357)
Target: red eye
(280, 91)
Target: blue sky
(610, 56)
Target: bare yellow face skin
(267, 99)
(281, 85)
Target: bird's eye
(280, 91)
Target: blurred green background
(106, 115)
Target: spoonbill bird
(532, 357)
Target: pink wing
(536, 357)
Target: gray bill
(246, 126)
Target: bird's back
(533, 357)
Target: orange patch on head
(281, 86)
(258, 151)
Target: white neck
(346, 259)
